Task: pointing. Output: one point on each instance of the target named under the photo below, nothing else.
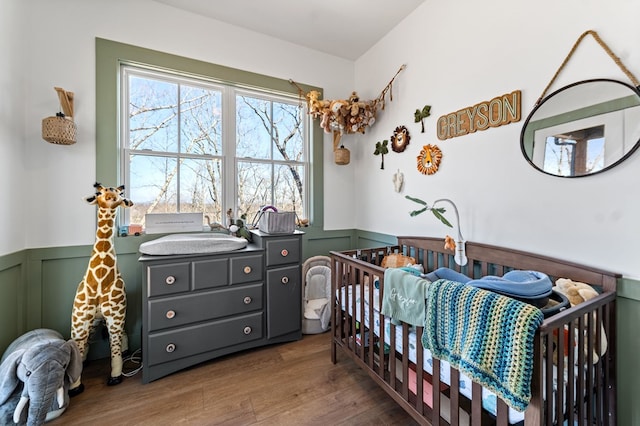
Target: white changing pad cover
(198, 243)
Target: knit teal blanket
(485, 335)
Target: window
(575, 153)
(193, 144)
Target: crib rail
(583, 391)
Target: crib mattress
(489, 398)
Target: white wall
(60, 48)
(457, 54)
(460, 53)
(12, 149)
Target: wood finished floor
(286, 384)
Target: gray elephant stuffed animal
(36, 371)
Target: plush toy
(359, 114)
(578, 292)
(355, 105)
(449, 243)
(339, 111)
(316, 105)
(101, 294)
(36, 372)
(341, 116)
(575, 291)
(396, 260)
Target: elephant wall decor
(35, 374)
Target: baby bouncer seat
(316, 294)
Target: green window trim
(109, 56)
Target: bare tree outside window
(271, 131)
(179, 153)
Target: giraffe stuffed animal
(101, 293)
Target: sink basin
(192, 244)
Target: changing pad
(192, 244)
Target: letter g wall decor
(498, 111)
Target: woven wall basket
(59, 130)
(342, 156)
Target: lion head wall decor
(429, 159)
(400, 139)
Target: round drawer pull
(247, 300)
(247, 269)
(171, 347)
(247, 330)
(170, 314)
(285, 280)
(170, 280)
(284, 252)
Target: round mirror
(583, 129)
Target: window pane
(201, 188)
(254, 187)
(200, 120)
(176, 148)
(152, 186)
(288, 138)
(253, 127)
(288, 188)
(153, 118)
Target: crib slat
(589, 345)
(502, 417)
(548, 379)
(392, 355)
(419, 372)
(598, 368)
(533, 413)
(609, 365)
(454, 395)
(571, 375)
(476, 404)
(580, 394)
(353, 272)
(335, 313)
(405, 361)
(558, 399)
(436, 391)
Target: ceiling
(344, 28)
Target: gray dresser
(200, 307)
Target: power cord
(134, 358)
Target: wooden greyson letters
(500, 110)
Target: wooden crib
(586, 395)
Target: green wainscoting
(37, 287)
(13, 297)
(628, 341)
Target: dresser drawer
(191, 340)
(283, 251)
(210, 273)
(167, 279)
(245, 269)
(196, 307)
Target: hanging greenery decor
(381, 149)
(420, 115)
